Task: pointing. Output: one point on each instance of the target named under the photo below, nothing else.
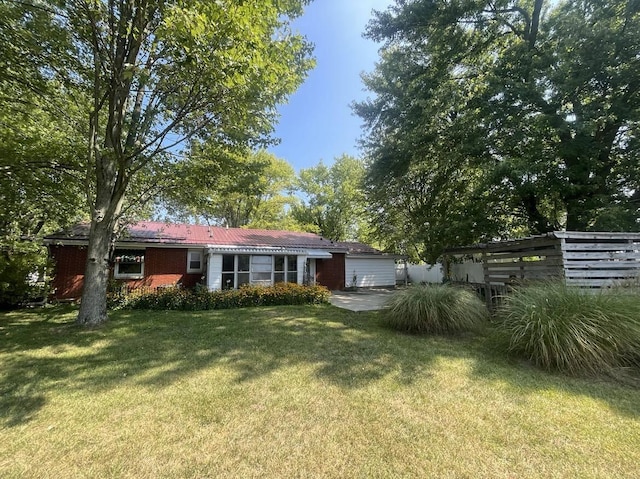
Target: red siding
(330, 272)
(162, 266)
(70, 262)
(165, 266)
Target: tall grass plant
(572, 330)
(435, 309)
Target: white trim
(217, 249)
(373, 256)
(257, 269)
(318, 254)
(116, 266)
(300, 262)
(257, 250)
(214, 272)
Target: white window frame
(200, 255)
(118, 275)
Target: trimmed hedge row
(200, 298)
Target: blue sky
(318, 123)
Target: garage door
(370, 272)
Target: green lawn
(292, 392)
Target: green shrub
(22, 268)
(201, 299)
(572, 330)
(439, 309)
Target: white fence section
(419, 273)
(467, 272)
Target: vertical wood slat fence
(591, 260)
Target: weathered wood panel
(595, 283)
(604, 264)
(602, 273)
(526, 265)
(599, 260)
(531, 256)
(523, 245)
(531, 259)
(614, 247)
(601, 255)
(596, 235)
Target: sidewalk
(361, 300)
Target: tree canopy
(238, 188)
(41, 179)
(332, 202)
(40, 189)
(500, 118)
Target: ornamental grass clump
(572, 330)
(437, 309)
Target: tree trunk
(109, 198)
(578, 215)
(538, 223)
(93, 309)
(535, 23)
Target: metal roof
(161, 233)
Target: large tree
(504, 117)
(155, 73)
(235, 188)
(332, 202)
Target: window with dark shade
(128, 264)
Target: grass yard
(293, 392)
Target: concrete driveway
(361, 300)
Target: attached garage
(367, 267)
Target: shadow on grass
(42, 351)
(620, 392)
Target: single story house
(157, 254)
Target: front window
(243, 275)
(261, 269)
(279, 269)
(194, 261)
(257, 269)
(292, 269)
(129, 264)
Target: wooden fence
(588, 260)
(597, 260)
